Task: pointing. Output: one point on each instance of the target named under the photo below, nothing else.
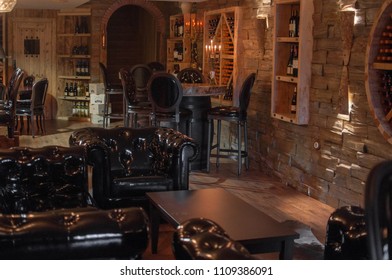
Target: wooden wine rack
(378, 70)
(221, 33)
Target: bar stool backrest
(245, 92)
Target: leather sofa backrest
(40, 179)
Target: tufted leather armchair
(346, 234)
(128, 162)
(46, 211)
(203, 239)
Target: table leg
(154, 226)
(286, 250)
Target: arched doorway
(133, 30)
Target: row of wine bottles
(80, 50)
(80, 109)
(76, 89)
(81, 25)
(82, 68)
(294, 24)
(292, 64)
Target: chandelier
(7, 5)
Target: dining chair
(135, 105)
(191, 76)
(36, 106)
(165, 93)
(378, 211)
(231, 114)
(110, 91)
(7, 113)
(24, 99)
(2, 95)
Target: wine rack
(288, 37)
(220, 56)
(183, 41)
(378, 71)
(73, 60)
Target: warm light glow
(7, 5)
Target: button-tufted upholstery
(203, 239)
(346, 234)
(41, 179)
(82, 233)
(46, 211)
(128, 162)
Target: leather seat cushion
(224, 111)
(138, 186)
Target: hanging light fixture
(7, 5)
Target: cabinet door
(40, 63)
(292, 75)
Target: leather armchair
(46, 211)
(128, 162)
(203, 239)
(346, 234)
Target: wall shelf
(284, 85)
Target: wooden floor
(261, 190)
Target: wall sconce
(263, 15)
(7, 5)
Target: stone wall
(350, 144)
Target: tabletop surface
(239, 219)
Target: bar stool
(231, 114)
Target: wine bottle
(180, 28)
(291, 24)
(296, 23)
(176, 28)
(70, 90)
(295, 61)
(180, 52)
(66, 90)
(175, 53)
(293, 105)
(289, 70)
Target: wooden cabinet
(73, 63)
(284, 81)
(220, 50)
(182, 42)
(378, 71)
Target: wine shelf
(378, 70)
(288, 41)
(220, 41)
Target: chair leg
(30, 121)
(239, 148)
(246, 145)
(209, 143)
(218, 139)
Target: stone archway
(146, 5)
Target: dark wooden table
(258, 232)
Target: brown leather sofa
(128, 162)
(46, 211)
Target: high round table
(197, 98)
